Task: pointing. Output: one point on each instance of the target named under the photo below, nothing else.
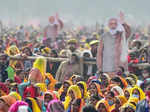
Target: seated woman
(37, 73)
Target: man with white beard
(112, 50)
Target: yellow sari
(35, 106)
(77, 94)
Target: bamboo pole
(90, 61)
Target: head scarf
(35, 107)
(107, 76)
(72, 77)
(42, 86)
(133, 100)
(61, 89)
(40, 63)
(142, 94)
(75, 90)
(77, 94)
(128, 90)
(105, 103)
(13, 49)
(125, 84)
(8, 99)
(15, 95)
(94, 42)
(98, 89)
(118, 89)
(55, 106)
(51, 93)
(134, 77)
(52, 81)
(46, 50)
(85, 88)
(15, 106)
(90, 79)
(122, 99)
(131, 81)
(129, 105)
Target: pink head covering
(91, 78)
(15, 106)
(55, 106)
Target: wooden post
(81, 66)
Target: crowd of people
(114, 83)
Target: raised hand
(121, 17)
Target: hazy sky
(83, 11)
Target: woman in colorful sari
(48, 96)
(6, 102)
(120, 101)
(134, 77)
(76, 105)
(127, 93)
(102, 106)
(63, 90)
(128, 107)
(15, 95)
(138, 93)
(55, 106)
(105, 81)
(33, 105)
(83, 88)
(42, 87)
(130, 81)
(94, 89)
(19, 106)
(117, 91)
(133, 100)
(13, 51)
(119, 81)
(50, 81)
(72, 94)
(37, 73)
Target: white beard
(119, 28)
